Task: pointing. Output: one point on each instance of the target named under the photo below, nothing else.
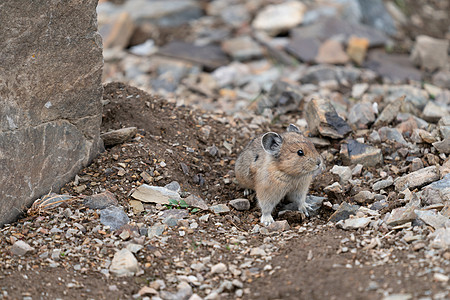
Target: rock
(219, 208)
(195, 201)
(124, 264)
(441, 238)
(382, 184)
(357, 49)
(416, 164)
(437, 192)
(359, 89)
(390, 112)
(392, 135)
(50, 99)
(235, 15)
(240, 204)
(334, 188)
(401, 215)
(374, 14)
(344, 211)
(344, 173)
(445, 168)
(430, 53)
(172, 216)
(156, 230)
(154, 194)
(209, 56)
(331, 27)
(257, 252)
(331, 52)
(442, 79)
(434, 219)
(443, 146)
(417, 178)
(173, 186)
(134, 248)
(284, 97)
(305, 49)
(433, 112)
(361, 115)
(218, 268)
(242, 48)
(275, 19)
(20, 248)
(119, 136)
(364, 196)
(101, 201)
(117, 34)
(324, 73)
(114, 217)
(395, 67)
(146, 48)
(353, 223)
(398, 297)
(357, 153)
(278, 226)
(322, 118)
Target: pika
(277, 166)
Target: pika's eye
(300, 153)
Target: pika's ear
(271, 143)
(293, 128)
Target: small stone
(362, 114)
(335, 188)
(353, 223)
(242, 48)
(195, 297)
(443, 146)
(391, 134)
(147, 291)
(332, 52)
(173, 186)
(401, 216)
(437, 192)
(382, 184)
(219, 268)
(357, 49)
(114, 217)
(204, 218)
(124, 264)
(154, 194)
(398, 297)
(390, 112)
(344, 173)
(134, 248)
(416, 164)
(440, 277)
(305, 49)
(240, 204)
(278, 226)
(219, 208)
(357, 153)
(195, 201)
(344, 211)
(359, 89)
(434, 219)
(147, 178)
(430, 53)
(275, 19)
(364, 196)
(433, 112)
(101, 201)
(417, 178)
(322, 118)
(119, 136)
(137, 206)
(156, 230)
(257, 252)
(20, 248)
(441, 238)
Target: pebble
(240, 204)
(364, 196)
(219, 268)
(20, 248)
(195, 201)
(154, 194)
(156, 230)
(353, 223)
(382, 184)
(344, 173)
(114, 217)
(417, 178)
(344, 211)
(124, 264)
(219, 208)
(101, 201)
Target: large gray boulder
(50, 91)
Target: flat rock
(322, 118)
(119, 136)
(437, 192)
(219, 268)
(323, 73)
(114, 217)
(359, 89)
(101, 201)
(154, 194)
(124, 264)
(219, 208)
(361, 115)
(353, 223)
(417, 178)
(344, 173)
(357, 153)
(344, 211)
(195, 201)
(209, 56)
(278, 226)
(331, 52)
(443, 146)
(396, 67)
(390, 112)
(430, 53)
(433, 112)
(156, 230)
(401, 216)
(117, 34)
(441, 238)
(20, 248)
(242, 48)
(364, 196)
(374, 14)
(305, 49)
(432, 218)
(240, 204)
(382, 184)
(282, 96)
(391, 134)
(278, 18)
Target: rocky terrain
(159, 214)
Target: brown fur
(276, 175)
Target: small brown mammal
(276, 166)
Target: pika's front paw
(247, 192)
(305, 208)
(266, 220)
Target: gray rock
(154, 194)
(344, 211)
(322, 73)
(390, 112)
(443, 146)
(364, 196)
(20, 248)
(235, 15)
(416, 164)
(359, 89)
(284, 97)
(361, 115)
(114, 217)
(195, 201)
(240, 204)
(118, 32)
(401, 215)
(219, 208)
(322, 118)
(124, 264)
(374, 14)
(382, 184)
(357, 153)
(274, 19)
(51, 113)
(353, 223)
(437, 192)
(209, 56)
(173, 186)
(395, 67)
(219, 268)
(433, 112)
(344, 173)
(417, 178)
(278, 226)
(242, 48)
(441, 238)
(442, 79)
(172, 216)
(331, 27)
(391, 134)
(432, 218)
(156, 230)
(430, 53)
(119, 136)
(305, 49)
(101, 201)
